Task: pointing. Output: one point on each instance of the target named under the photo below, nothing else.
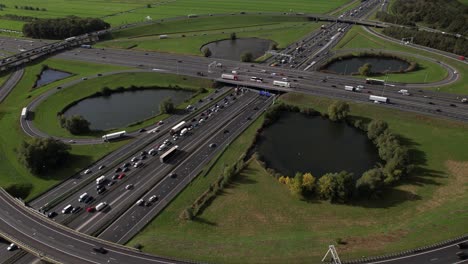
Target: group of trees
(60, 28)
(43, 155)
(439, 41)
(75, 124)
(206, 52)
(366, 69)
(30, 8)
(338, 111)
(167, 106)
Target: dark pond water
(233, 49)
(49, 75)
(351, 65)
(123, 109)
(300, 143)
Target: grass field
(11, 136)
(118, 12)
(256, 220)
(188, 36)
(357, 38)
(46, 114)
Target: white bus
(114, 135)
(24, 113)
(282, 84)
(178, 127)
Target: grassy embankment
(358, 38)
(11, 136)
(131, 11)
(189, 35)
(257, 220)
(46, 114)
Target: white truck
(183, 132)
(229, 77)
(114, 135)
(101, 179)
(101, 206)
(282, 84)
(379, 99)
(24, 113)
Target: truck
(70, 39)
(374, 81)
(86, 46)
(229, 77)
(101, 206)
(24, 113)
(379, 99)
(115, 135)
(100, 179)
(282, 84)
(178, 128)
(183, 132)
(349, 88)
(164, 157)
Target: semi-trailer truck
(178, 128)
(352, 88)
(229, 77)
(282, 84)
(114, 135)
(380, 99)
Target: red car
(90, 209)
(121, 176)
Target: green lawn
(11, 136)
(256, 220)
(3, 79)
(357, 38)
(183, 39)
(46, 114)
(118, 12)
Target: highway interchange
(117, 221)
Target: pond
(122, 109)
(233, 49)
(49, 75)
(379, 65)
(300, 143)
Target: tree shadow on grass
(202, 220)
(389, 198)
(72, 166)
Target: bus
(114, 135)
(374, 81)
(24, 113)
(282, 84)
(178, 128)
(164, 157)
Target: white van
(101, 206)
(100, 179)
(67, 209)
(83, 197)
(87, 171)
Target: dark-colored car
(142, 130)
(115, 176)
(101, 190)
(75, 209)
(173, 175)
(118, 170)
(100, 250)
(51, 214)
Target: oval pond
(379, 65)
(233, 49)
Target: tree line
(31, 8)
(61, 28)
(434, 40)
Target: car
(101, 190)
(134, 159)
(143, 153)
(153, 198)
(431, 103)
(84, 78)
(102, 167)
(99, 74)
(140, 202)
(59, 87)
(453, 105)
(91, 209)
(129, 187)
(160, 122)
(142, 130)
(75, 209)
(138, 164)
(110, 183)
(87, 171)
(100, 250)
(213, 145)
(173, 175)
(127, 164)
(51, 214)
(126, 169)
(143, 157)
(334, 86)
(115, 176)
(121, 176)
(226, 131)
(118, 170)
(438, 110)
(146, 203)
(71, 141)
(462, 245)
(256, 108)
(12, 247)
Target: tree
(371, 182)
(365, 70)
(308, 182)
(247, 57)
(233, 36)
(43, 155)
(376, 128)
(336, 187)
(148, 6)
(167, 106)
(338, 110)
(76, 124)
(206, 52)
(295, 185)
(187, 214)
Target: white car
(140, 202)
(12, 247)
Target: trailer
(70, 39)
(177, 128)
(349, 88)
(24, 113)
(282, 84)
(115, 135)
(229, 77)
(162, 36)
(164, 157)
(379, 99)
(374, 81)
(86, 46)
